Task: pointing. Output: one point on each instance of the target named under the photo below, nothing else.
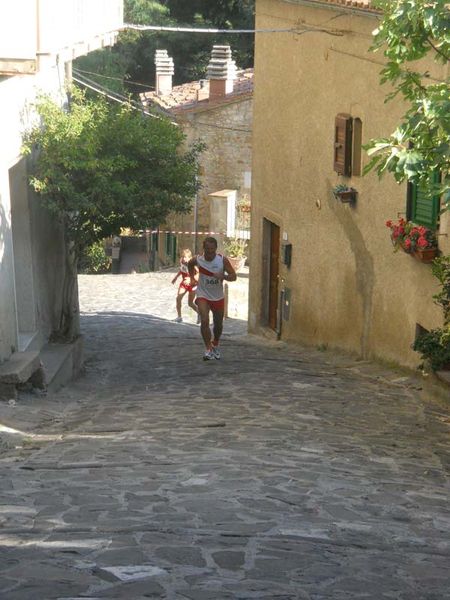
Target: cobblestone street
(274, 473)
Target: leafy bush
(435, 346)
(94, 260)
(234, 247)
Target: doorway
(270, 273)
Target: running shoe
(209, 355)
(178, 320)
(216, 352)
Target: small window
(343, 127)
(421, 209)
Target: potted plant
(344, 193)
(235, 249)
(417, 240)
(244, 204)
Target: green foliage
(99, 167)
(441, 270)
(132, 58)
(104, 67)
(409, 31)
(234, 247)
(434, 346)
(94, 259)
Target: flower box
(416, 240)
(425, 255)
(345, 194)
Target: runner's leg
(203, 309)
(217, 325)
(191, 302)
(180, 296)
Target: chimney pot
(164, 72)
(221, 72)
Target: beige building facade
(218, 112)
(323, 272)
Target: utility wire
(294, 30)
(121, 100)
(116, 79)
(202, 30)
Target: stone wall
(226, 131)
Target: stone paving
(275, 473)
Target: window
(419, 208)
(347, 145)
(343, 127)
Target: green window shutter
(155, 240)
(174, 248)
(167, 243)
(422, 210)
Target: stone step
(20, 367)
(61, 363)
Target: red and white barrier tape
(186, 232)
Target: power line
(294, 30)
(202, 30)
(152, 87)
(121, 100)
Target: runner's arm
(176, 276)
(230, 272)
(192, 264)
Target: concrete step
(20, 367)
(61, 363)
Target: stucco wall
(348, 288)
(226, 131)
(36, 266)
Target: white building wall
(31, 280)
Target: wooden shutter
(343, 144)
(421, 209)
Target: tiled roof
(195, 94)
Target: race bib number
(212, 281)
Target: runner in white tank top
(213, 269)
(209, 286)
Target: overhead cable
(109, 94)
(294, 30)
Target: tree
(132, 58)
(98, 167)
(411, 30)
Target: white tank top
(209, 286)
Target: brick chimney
(221, 72)
(164, 72)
